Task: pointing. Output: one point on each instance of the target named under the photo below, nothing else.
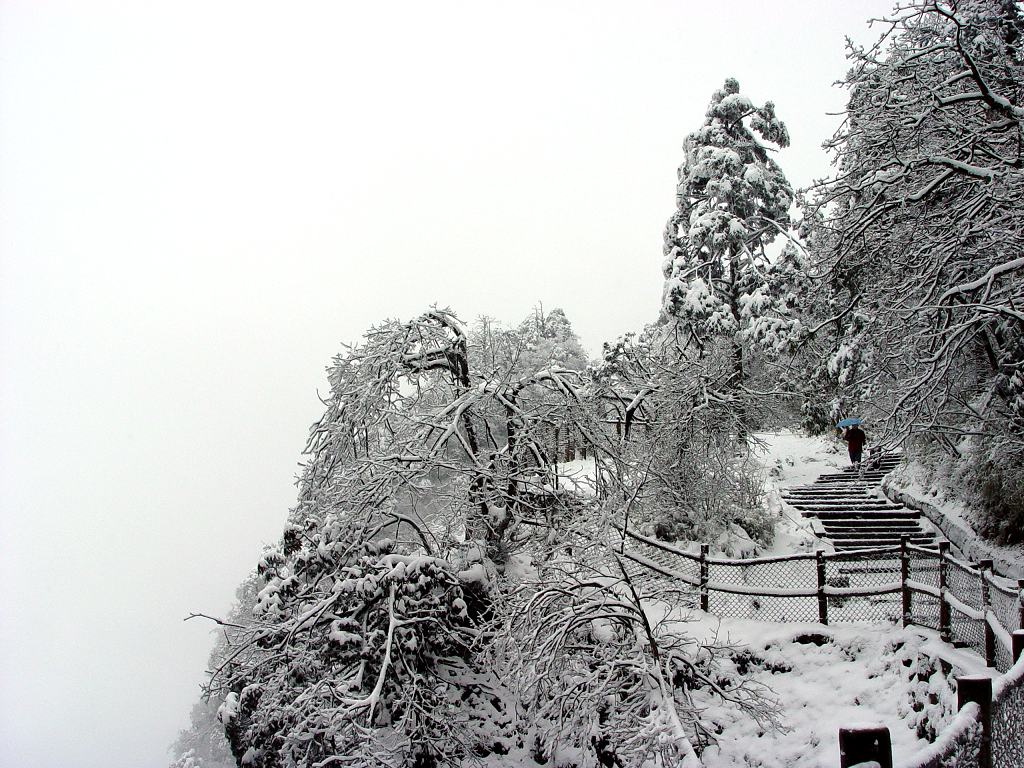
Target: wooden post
(904, 577)
(1017, 644)
(945, 629)
(1020, 599)
(704, 548)
(861, 745)
(985, 568)
(978, 688)
(819, 561)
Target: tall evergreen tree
(733, 200)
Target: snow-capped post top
(863, 744)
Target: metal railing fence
(966, 603)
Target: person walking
(855, 439)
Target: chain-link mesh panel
(783, 574)
(963, 583)
(669, 578)
(1006, 606)
(924, 609)
(866, 571)
(764, 608)
(862, 570)
(1007, 731)
(687, 568)
(1003, 658)
(795, 573)
(871, 609)
(924, 567)
(774, 574)
(967, 631)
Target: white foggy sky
(200, 200)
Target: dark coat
(855, 438)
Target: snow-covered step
(859, 504)
(830, 490)
(879, 535)
(850, 542)
(894, 527)
(850, 513)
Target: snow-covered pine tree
(732, 202)
(549, 339)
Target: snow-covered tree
(394, 623)
(541, 340)
(925, 227)
(732, 202)
(549, 339)
(203, 743)
(685, 469)
(362, 632)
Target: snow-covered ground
(578, 476)
(825, 678)
(791, 459)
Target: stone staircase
(847, 511)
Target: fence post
(984, 568)
(1017, 644)
(978, 688)
(904, 577)
(862, 745)
(945, 630)
(819, 558)
(704, 577)
(1020, 599)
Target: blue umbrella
(852, 421)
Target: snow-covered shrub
(709, 489)
(602, 683)
(364, 651)
(1000, 489)
(929, 702)
(985, 475)
(688, 472)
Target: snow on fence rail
(967, 604)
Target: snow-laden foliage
(923, 228)
(413, 432)
(602, 683)
(686, 467)
(542, 340)
(732, 202)
(393, 624)
(203, 744)
(359, 651)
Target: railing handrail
(749, 561)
